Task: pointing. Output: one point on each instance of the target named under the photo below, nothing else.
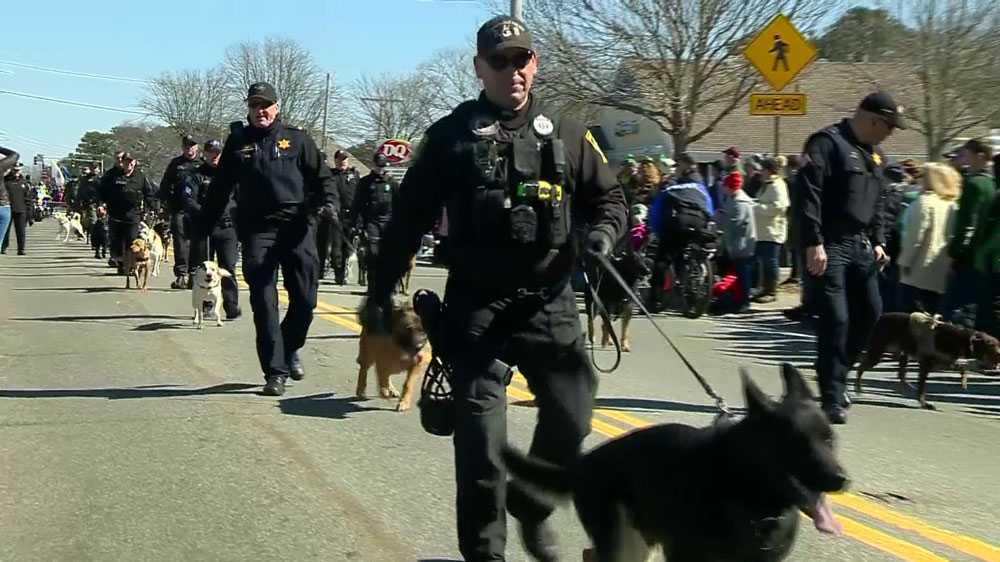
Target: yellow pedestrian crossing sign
(779, 52)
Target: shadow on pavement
(95, 289)
(983, 393)
(149, 391)
(99, 318)
(323, 406)
(157, 326)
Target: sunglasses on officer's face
(499, 62)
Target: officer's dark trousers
(291, 247)
(544, 339)
(222, 245)
(122, 232)
(19, 223)
(849, 304)
(324, 239)
(179, 230)
(339, 249)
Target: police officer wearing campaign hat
(222, 240)
(172, 194)
(515, 178)
(840, 209)
(283, 184)
(372, 207)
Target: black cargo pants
(290, 246)
(180, 232)
(542, 337)
(849, 304)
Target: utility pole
(326, 109)
(515, 9)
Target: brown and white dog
(933, 343)
(206, 291)
(404, 348)
(137, 264)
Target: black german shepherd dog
(727, 493)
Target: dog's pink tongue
(823, 519)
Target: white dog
(68, 225)
(157, 253)
(206, 291)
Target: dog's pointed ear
(757, 402)
(796, 387)
(224, 272)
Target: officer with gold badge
(515, 178)
(284, 184)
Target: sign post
(779, 53)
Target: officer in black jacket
(283, 185)
(332, 232)
(372, 208)
(172, 194)
(841, 217)
(127, 192)
(511, 173)
(221, 241)
(346, 178)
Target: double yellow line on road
(612, 423)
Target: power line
(74, 73)
(76, 103)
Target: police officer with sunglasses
(840, 210)
(517, 180)
(284, 184)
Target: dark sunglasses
(499, 62)
(259, 104)
(887, 122)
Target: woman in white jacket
(923, 259)
(771, 216)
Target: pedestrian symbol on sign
(780, 50)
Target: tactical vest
(856, 176)
(514, 195)
(381, 198)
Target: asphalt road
(130, 435)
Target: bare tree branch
(191, 101)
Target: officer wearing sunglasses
(840, 208)
(519, 183)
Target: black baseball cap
(188, 140)
(882, 104)
(502, 32)
(262, 90)
(381, 160)
(340, 155)
(214, 145)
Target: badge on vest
(543, 126)
(284, 144)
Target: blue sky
(142, 39)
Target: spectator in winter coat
(923, 259)
(770, 216)
(739, 237)
(977, 195)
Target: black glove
(328, 211)
(376, 315)
(598, 243)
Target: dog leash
(720, 402)
(607, 320)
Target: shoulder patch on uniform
(589, 137)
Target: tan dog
(405, 348)
(137, 264)
(157, 252)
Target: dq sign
(397, 151)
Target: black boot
(295, 369)
(274, 385)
